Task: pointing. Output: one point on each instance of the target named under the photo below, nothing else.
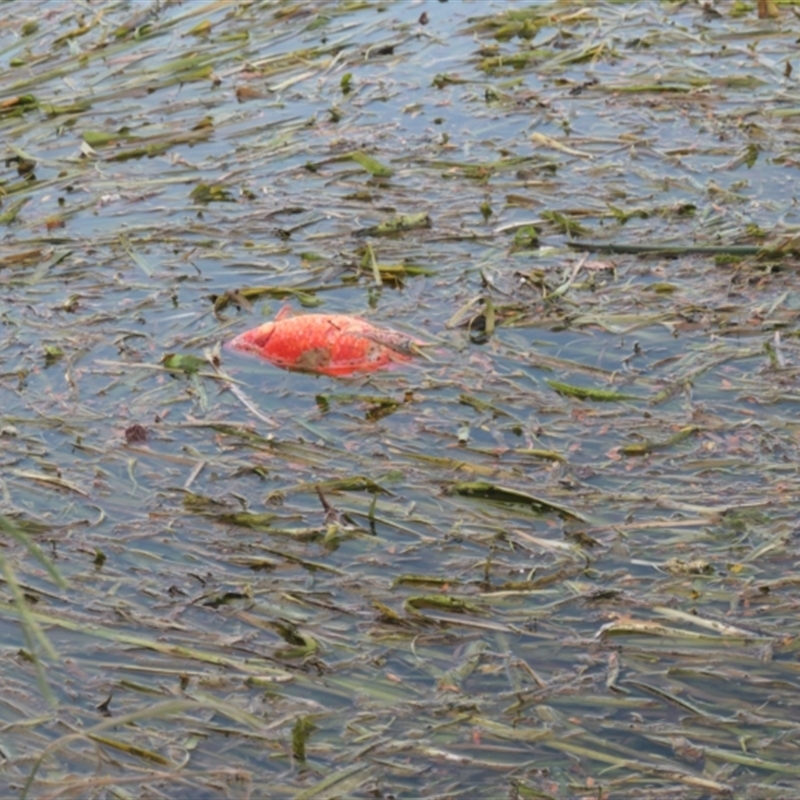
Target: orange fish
(329, 344)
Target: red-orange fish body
(330, 344)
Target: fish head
(254, 340)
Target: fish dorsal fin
(285, 312)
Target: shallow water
(446, 636)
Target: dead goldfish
(329, 344)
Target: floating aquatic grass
(453, 579)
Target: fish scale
(329, 344)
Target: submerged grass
(553, 556)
